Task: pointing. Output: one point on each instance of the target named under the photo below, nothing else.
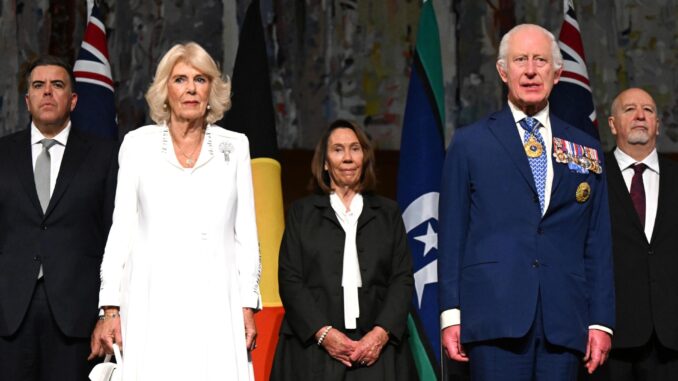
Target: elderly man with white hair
(525, 264)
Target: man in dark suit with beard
(644, 216)
(57, 187)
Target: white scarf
(350, 279)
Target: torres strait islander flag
(572, 98)
(421, 159)
(252, 113)
(95, 111)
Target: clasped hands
(363, 352)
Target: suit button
(36, 258)
(43, 227)
(540, 231)
(535, 198)
(535, 264)
(650, 252)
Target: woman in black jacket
(345, 272)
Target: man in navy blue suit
(525, 265)
(57, 187)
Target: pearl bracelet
(322, 336)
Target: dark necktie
(638, 191)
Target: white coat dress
(182, 257)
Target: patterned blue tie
(537, 164)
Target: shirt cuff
(601, 328)
(450, 317)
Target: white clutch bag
(107, 370)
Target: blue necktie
(537, 164)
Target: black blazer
(646, 273)
(309, 275)
(68, 239)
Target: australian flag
(421, 158)
(95, 111)
(572, 99)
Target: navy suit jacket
(498, 254)
(67, 240)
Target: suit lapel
(323, 202)
(558, 130)
(24, 167)
(74, 155)
(667, 189)
(503, 127)
(367, 214)
(620, 191)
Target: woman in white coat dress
(180, 274)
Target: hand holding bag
(107, 370)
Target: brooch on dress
(226, 148)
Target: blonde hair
(192, 54)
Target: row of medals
(534, 149)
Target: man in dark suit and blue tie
(525, 263)
(57, 188)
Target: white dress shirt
(56, 153)
(650, 182)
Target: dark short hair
(321, 178)
(49, 61)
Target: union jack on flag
(572, 98)
(95, 110)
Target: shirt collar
(61, 137)
(542, 116)
(339, 207)
(625, 161)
